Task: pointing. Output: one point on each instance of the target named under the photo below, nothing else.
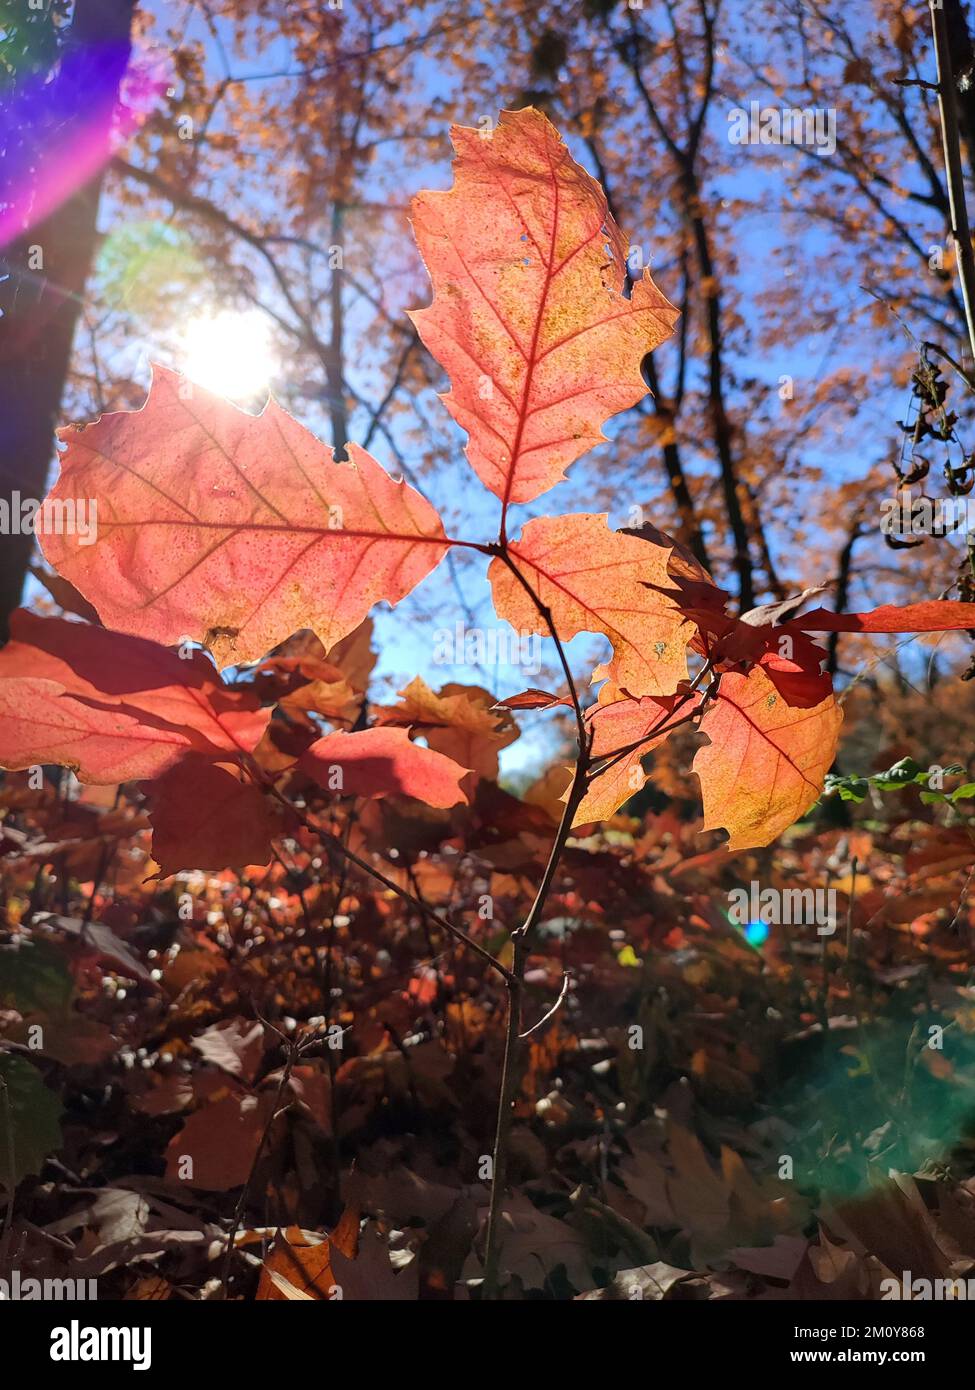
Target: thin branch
(336, 848)
(553, 1010)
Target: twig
(553, 1010)
(292, 1054)
(335, 847)
(509, 1069)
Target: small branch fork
(550, 1012)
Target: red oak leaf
(593, 579)
(112, 707)
(207, 815)
(383, 762)
(766, 761)
(231, 529)
(934, 615)
(798, 678)
(460, 721)
(529, 315)
(533, 698)
(617, 722)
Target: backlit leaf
(593, 579)
(232, 529)
(529, 318)
(382, 762)
(766, 761)
(113, 707)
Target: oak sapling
(227, 533)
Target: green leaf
(902, 774)
(30, 1120)
(849, 788)
(963, 793)
(34, 978)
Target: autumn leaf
(383, 762)
(217, 1145)
(616, 722)
(734, 643)
(798, 679)
(113, 707)
(766, 761)
(536, 1245)
(234, 1046)
(297, 1267)
(207, 815)
(368, 1276)
(934, 615)
(529, 316)
(533, 698)
(99, 941)
(354, 656)
(234, 530)
(593, 579)
(332, 700)
(460, 721)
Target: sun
(229, 353)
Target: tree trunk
(46, 247)
(962, 55)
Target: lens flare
(229, 353)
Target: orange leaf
(593, 579)
(935, 615)
(297, 1268)
(617, 722)
(460, 721)
(234, 530)
(766, 761)
(529, 317)
(114, 708)
(382, 762)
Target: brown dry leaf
(370, 1276)
(699, 1197)
(535, 1245)
(645, 1282)
(220, 1139)
(831, 1272)
(778, 1261)
(645, 1177)
(298, 1267)
(234, 1046)
(893, 1224)
(153, 1288)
